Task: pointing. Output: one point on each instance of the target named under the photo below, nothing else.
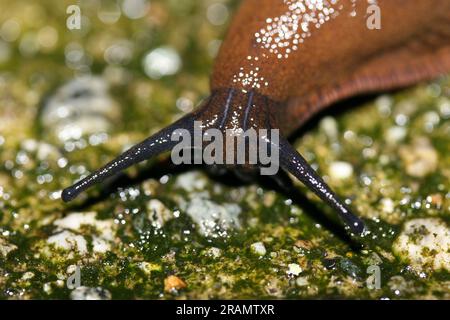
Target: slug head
(232, 113)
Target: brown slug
(284, 60)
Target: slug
(283, 61)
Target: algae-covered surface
(72, 99)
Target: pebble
(44, 151)
(80, 107)
(74, 221)
(294, 269)
(340, 170)
(419, 158)
(258, 248)
(69, 241)
(397, 284)
(387, 205)
(88, 293)
(135, 9)
(329, 126)
(158, 213)
(304, 244)
(173, 283)
(47, 288)
(27, 275)
(425, 243)
(191, 181)
(6, 247)
(101, 243)
(384, 104)
(213, 220)
(435, 199)
(60, 283)
(71, 269)
(160, 62)
(214, 252)
(148, 267)
(444, 107)
(269, 199)
(302, 281)
(395, 135)
(349, 267)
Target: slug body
(321, 63)
(284, 60)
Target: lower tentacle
(294, 163)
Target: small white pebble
(100, 245)
(27, 275)
(47, 288)
(387, 205)
(69, 241)
(214, 252)
(71, 269)
(419, 158)
(395, 134)
(87, 293)
(329, 126)
(425, 244)
(294, 269)
(340, 170)
(302, 281)
(258, 248)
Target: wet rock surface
(425, 243)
